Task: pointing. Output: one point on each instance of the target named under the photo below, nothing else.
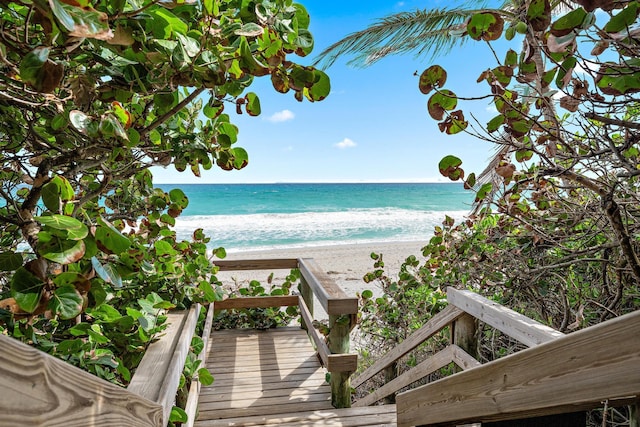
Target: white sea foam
(261, 231)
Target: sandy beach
(346, 264)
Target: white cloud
(345, 143)
(281, 116)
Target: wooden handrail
(38, 388)
(158, 376)
(526, 330)
(464, 306)
(451, 353)
(191, 408)
(331, 296)
(575, 372)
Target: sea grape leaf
(66, 302)
(485, 26)
(321, 87)
(483, 191)
(109, 239)
(107, 272)
(539, 14)
(450, 167)
(178, 415)
(240, 157)
(70, 278)
(250, 29)
(165, 24)
(26, 289)
(624, 19)
(205, 377)
(32, 64)
(433, 77)
(569, 22)
(10, 261)
(440, 102)
(178, 197)
(85, 22)
(62, 251)
(58, 189)
(253, 104)
(75, 230)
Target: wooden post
(634, 415)
(339, 329)
(307, 295)
(464, 334)
(390, 374)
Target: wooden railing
(557, 374)
(37, 387)
(334, 350)
(460, 315)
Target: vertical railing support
(465, 334)
(634, 415)
(339, 343)
(390, 374)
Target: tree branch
(171, 112)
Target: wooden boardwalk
(274, 378)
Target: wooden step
(380, 416)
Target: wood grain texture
(257, 264)
(191, 407)
(379, 416)
(568, 374)
(40, 390)
(280, 372)
(432, 327)
(257, 302)
(316, 337)
(330, 296)
(527, 331)
(158, 375)
(146, 382)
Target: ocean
(241, 217)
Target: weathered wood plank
(330, 296)
(318, 340)
(568, 374)
(258, 394)
(191, 407)
(257, 264)
(256, 302)
(432, 327)
(269, 401)
(225, 387)
(265, 410)
(527, 331)
(373, 415)
(149, 376)
(38, 389)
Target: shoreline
(346, 264)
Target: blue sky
(373, 127)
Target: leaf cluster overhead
(93, 94)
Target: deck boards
(274, 378)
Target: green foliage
(91, 96)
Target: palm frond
(421, 32)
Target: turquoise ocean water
(268, 216)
